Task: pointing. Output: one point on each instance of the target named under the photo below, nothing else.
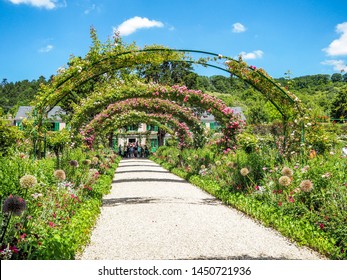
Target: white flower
(36, 195)
(260, 190)
(61, 70)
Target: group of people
(133, 150)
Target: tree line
(324, 95)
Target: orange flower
(313, 154)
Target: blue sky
(304, 36)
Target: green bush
(9, 135)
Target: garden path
(153, 214)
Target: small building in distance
(145, 134)
(54, 117)
(210, 122)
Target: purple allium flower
(73, 163)
(14, 204)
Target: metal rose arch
(180, 115)
(102, 78)
(166, 122)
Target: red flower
(14, 249)
(51, 224)
(279, 203)
(291, 199)
(321, 225)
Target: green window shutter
(155, 128)
(115, 144)
(212, 125)
(56, 126)
(20, 125)
(148, 127)
(154, 145)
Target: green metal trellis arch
(286, 103)
(279, 89)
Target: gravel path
(153, 214)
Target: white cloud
(131, 25)
(238, 27)
(338, 46)
(92, 8)
(46, 49)
(47, 4)
(252, 55)
(172, 28)
(339, 65)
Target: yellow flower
(284, 181)
(286, 171)
(95, 160)
(231, 164)
(59, 174)
(306, 186)
(27, 181)
(244, 171)
(87, 162)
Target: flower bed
(304, 198)
(48, 213)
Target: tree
(339, 105)
(57, 141)
(14, 94)
(169, 73)
(221, 83)
(336, 77)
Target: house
(210, 122)
(54, 117)
(147, 135)
(143, 134)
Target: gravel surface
(153, 214)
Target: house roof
(25, 112)
(208, 117)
